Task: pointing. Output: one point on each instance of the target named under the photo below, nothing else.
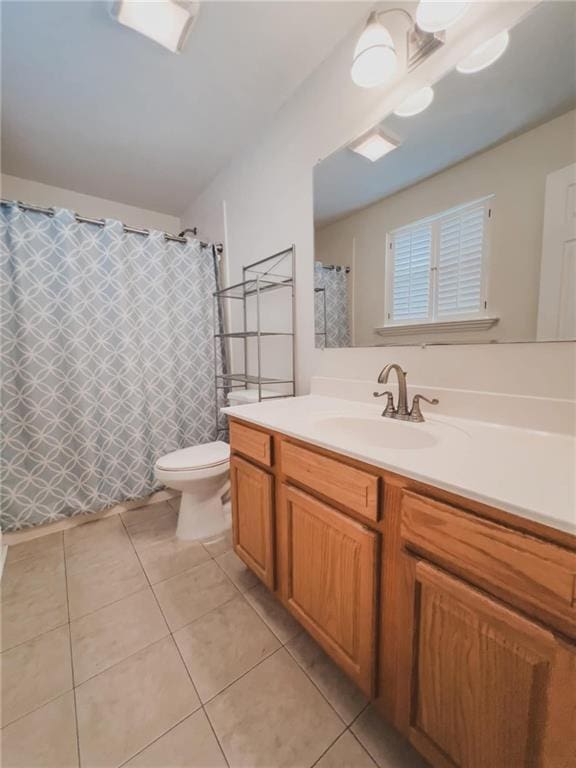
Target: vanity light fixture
(415, 103)
(375, 58)
(374, 145)
(435, 15)
(167, 22)
(485, 55)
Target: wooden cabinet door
(253, 518)
(489, 688)
(329, 581)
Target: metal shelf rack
(273, 273)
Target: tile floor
(122, 646)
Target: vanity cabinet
(488, 686)
(253, 517)
(457, 619)
(330, 581)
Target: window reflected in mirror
(466, 230)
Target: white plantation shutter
(412, 249)
(437, 267)
(460, 257)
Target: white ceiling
(533, 82)
(94, 107)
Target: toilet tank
(244, 396)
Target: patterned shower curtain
(331, 312)
(107, 361)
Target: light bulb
(415, 103)
(436, 15)
(375, 58)
(485, 54)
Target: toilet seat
(195, 458)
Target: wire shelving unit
(273, 273)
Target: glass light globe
(485, 54)
(436, 15)
(416, 102)
(375, 59)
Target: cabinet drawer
(251, 442)
(541, 574)
(346, 485)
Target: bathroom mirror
(465, 231)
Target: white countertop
(528, 473)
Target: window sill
(446, 326)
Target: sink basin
(378, 431)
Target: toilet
(202, 474)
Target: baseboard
(27, 534)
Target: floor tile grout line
(35, 637)
(266, 658)
(206, 613)
(303, 669)
(231, 579)
(121, 661)
(295, 660)
(169, 631)
(190, 714)
(202, 707)
(261, 661)
(172, 632)
(210, 723)
(357, 738)
(71, 655)
(45, 631)
(35, 709)
(328, 748)
(139, 589)
(181, 657)
(359, 715)
(109, 605)
(125, 658)
(269, 625)
(178, 648)
(246, 672)
(285, 646)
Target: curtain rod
(101, 222)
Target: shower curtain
(331, 310)
(107, 361)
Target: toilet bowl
(201, 473)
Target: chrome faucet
(401, 412)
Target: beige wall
(515, 172)
(36, 193)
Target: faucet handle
(389, 411)
(415, 412)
